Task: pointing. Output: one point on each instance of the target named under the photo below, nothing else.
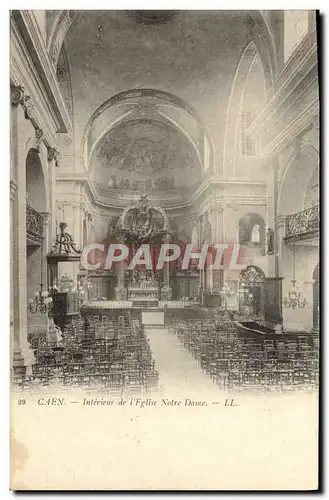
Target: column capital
(19, 96)
(54, 154)
(280, 221)
(13, 189)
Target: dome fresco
(145, 154)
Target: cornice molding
(72, 176)
(291, 131)
(24, 26)
(288, 82)
(19, 97)
(214, 203)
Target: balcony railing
(34, 224)
(303, 224)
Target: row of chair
(110, 354)
(237, 362)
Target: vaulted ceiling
(191, 54)
(189, 57)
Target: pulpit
(273, 299)
(65, 299)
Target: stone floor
(179, 373)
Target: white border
(4, 184)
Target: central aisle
(179, 372)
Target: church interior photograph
(164, 200)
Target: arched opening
(312, 190)
(296, 178)
(35, 182)
(316, 297)
(36, 207)
(247, 99)
(252, 291)
(252, 230)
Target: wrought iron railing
(303, 223)
(34, 224)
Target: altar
(140, 224)
(143, 294)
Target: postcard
(164, 235)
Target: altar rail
(109, 304)
(128, 304)
(174, 304)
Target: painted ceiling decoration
(145, 155)
(153, 106)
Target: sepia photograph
(164, 249)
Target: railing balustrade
(34, 224)
(302, 223)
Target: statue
(255, 235)
(270, 241)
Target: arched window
(295, 28)
(255, 235)
(248, 145)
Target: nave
(184, 358)
(179, 372)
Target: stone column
(120, 292)
(218, 274)
(53, 158)
(15, 343)
(279, 244)
(21, 132)
(272, 195)
(283, 267)
(166, 268)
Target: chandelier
(294, 299)
(41, 303)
